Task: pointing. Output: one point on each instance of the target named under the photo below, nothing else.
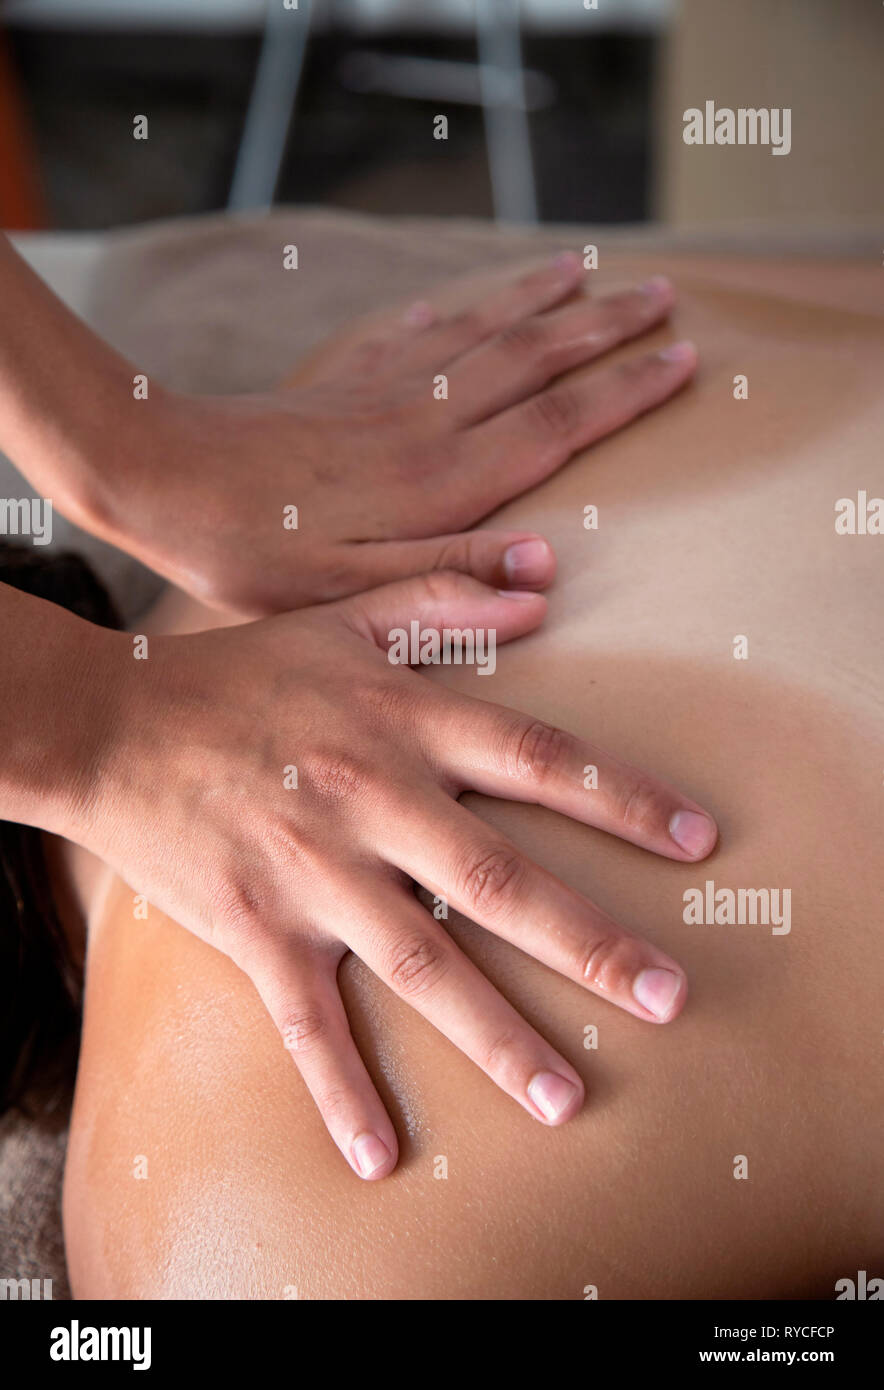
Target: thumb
(504, 559)
(442, 600)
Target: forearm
(66, 398)
(57, 687)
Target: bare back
(716, 521)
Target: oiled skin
(716, 520)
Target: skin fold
(198, 1165)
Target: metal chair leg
(507, 133)
(504, 106)
(272, 101)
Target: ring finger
(455, 855)
(411, 953)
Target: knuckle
(302, 1029)
(338, 776)
(556, 411)
(605, 966)
(238, 905)
(615, 321)
(371, 354)
(454, 557)
(526, 338)
(441, 584)
(388, 702)
(642, 807)
(536, 751)
(416, 966)
(334, 1102)
(499, 1057)
(492, 881)
(624, 308)
(638, 372)
(466, 324)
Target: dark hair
(41, 984)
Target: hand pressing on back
(372, 462)
(279, 787)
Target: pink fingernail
(693, 832)
(679, 352)
(657, 285)
(551, 1093)
(520, 595)
(568, 261)
(657, 991)
(527, 561)
(369, 1153)
(419, 314)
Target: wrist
(60, 699)
(72, 417)
(118, 474)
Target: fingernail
(658, 284)
(370, 1153)
(568, 261)
(419, 314)
(657, 991)
(527, 562)
(520, 595)
(678, 352)
(551, 1093)
(693, 832)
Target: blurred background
(558, 110)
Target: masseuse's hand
(385, 476)
(195, 800)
